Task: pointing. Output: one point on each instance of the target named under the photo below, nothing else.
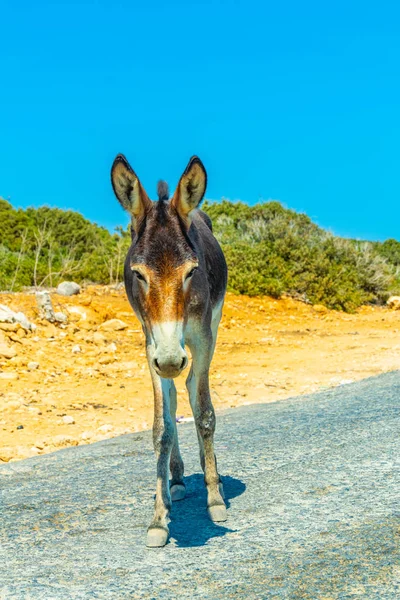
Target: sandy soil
(89, 383)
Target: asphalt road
(313, 489)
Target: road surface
(313, 487)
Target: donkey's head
(162, 260)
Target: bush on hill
(269, 249)
(40, 247)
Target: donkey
(175, 278)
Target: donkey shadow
(190, 525)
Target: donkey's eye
(190, 274)
(139, 275)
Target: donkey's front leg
(163, 438)
(204, 415)
(177, 486)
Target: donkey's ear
(128, 189)
(191, 188)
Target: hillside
(270, 251)
(85, 381)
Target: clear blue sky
(296, 101)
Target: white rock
(6, 351)
(68, 420)
(60, 317)
(107, 359)
(86, 435)
(8, 376)
(98, 338)
(23, 321)
(45, 306)
(9, 316)
(32, 366)
(394, 302)
(76, 349)
(113, 325)
(6, 314)
(68, 288)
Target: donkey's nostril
(184, 362)
(157, 366)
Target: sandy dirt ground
(64, 385)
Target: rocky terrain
(84, 378)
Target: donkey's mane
(162, 190)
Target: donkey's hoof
(217, 513)
(178, 492)
(156, 537)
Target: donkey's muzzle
(168, 366)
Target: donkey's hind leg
(191, 388)
(177, 486)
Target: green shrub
(41, 247)
(270, 250)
